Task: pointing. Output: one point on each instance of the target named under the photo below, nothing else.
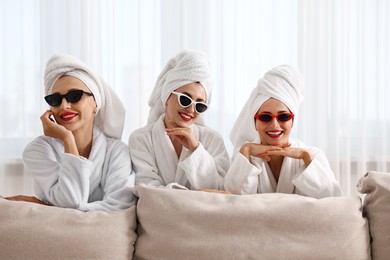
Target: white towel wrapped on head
(283, 83)
(110, 116)
(186, 67)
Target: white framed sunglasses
(186, 101)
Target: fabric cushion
(376, 207)
(179, 224)
(33, 231)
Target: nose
(274, 122)
(191, 108)
(64, 103)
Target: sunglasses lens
(53, 99)
(74, 96)
(185, 101)
(200, 108)
(264, 117)
(284, 117)
(56, 98)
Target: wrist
(194, 147)
(307, 158)
(70, 145)
(245, 150)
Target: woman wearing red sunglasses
(175, 147)
(80, 161)
(266, 159)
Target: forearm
(68, 185)
(70, 145)
(317, 179)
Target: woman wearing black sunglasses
(265, 158)
(175, 147)
(80, 161)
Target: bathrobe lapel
(97, 155)
(268, 183)
(285, 184)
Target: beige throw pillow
(376, 207)
(180, 224)
(33, 231)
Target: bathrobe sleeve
(317, 180)
(63, 179)
(243, 176)
(206, 167)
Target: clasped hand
(265, 152)
(185, 136)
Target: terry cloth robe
(156, 163)
(104, 181)
(317, 180)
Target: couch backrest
(181, 224)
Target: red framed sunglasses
(266, 117)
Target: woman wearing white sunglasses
(175, 147)
(80, 161)
(265, 158)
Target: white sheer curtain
(340, 46)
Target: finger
(16, 198)
(47, 113)
(274, 153)
(46, 116)
(178, 131)
(273, 148)
(284, 145)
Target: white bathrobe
(156, 163)
(104, 181)
(317, 180)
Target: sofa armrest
(376, 208)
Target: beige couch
(178, 224)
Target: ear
(95, 110)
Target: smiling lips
(185, 117)
(67, 116)
(274, 134)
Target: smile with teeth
(68, 116)
(185, 116)
(274, 134)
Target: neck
(83, 142)
(167, 123)
(275, 164)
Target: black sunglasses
(72, 96)
(282, 117)
(186, 101)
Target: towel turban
(283, 83)
(186, 67)
(110, 116)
